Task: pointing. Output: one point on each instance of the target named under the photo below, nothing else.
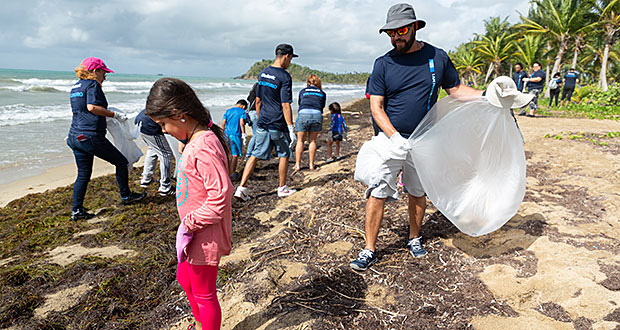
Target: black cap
(285, 49)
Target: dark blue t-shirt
(274, 88)
(85, 122)
(410, 84)
(149, 126)
(536, 85)
(571, 79)
(312, 97)
(233, 117)
(517, 77)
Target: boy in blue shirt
(234, 128)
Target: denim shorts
(235, 145)
(266, 139)
(309, 122)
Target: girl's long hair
(170, 96)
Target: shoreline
(64, 175)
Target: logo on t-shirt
(268, 76)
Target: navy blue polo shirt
(85, 122)
(274, 88)
(570, 79)
(149, 126)
(517, 77)
(536, 85)
(312, 97)
(410, 84)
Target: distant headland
(300, 73)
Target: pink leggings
(198, 281)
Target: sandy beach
(52, 178)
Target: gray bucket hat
(399, 15)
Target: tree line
(560, 34)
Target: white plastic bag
(470, 160)
(120, 136)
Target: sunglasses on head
(401, 31)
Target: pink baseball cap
(93, 63)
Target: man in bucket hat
(403, 87)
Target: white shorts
(384, 185)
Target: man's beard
(404, 49)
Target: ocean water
(35, 113)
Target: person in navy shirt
(87, 134)
(309, 118)
(403, 86)
(234, 128)
(275, 121)
(157, 147)
(535, 83)
(518, 76)
(571, 78)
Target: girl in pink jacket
(204, 193)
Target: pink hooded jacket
(204, 195)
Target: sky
(224, 38)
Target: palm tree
(495, 45)
(467, 62)
(578, 47)
(609, 21)
(560, 20)
(529, 48)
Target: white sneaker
(242, 193)
(285, 191)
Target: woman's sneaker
(285, 191)
(132, 198)
(415, 248)
(364, 260)
(81, 214)
(242, 193)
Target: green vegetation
(602, 140)
(300, 73)
(560, 34)
(592, 103)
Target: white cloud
(223, 38)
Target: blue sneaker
(364, 260)
(416, 248)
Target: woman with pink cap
(87, 134)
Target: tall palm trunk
(574, 63)
(603, 77)
(488, 73)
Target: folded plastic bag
(471, 163)
(120, 136)
(182, 241)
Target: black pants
(567, 93)
(554, 93)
